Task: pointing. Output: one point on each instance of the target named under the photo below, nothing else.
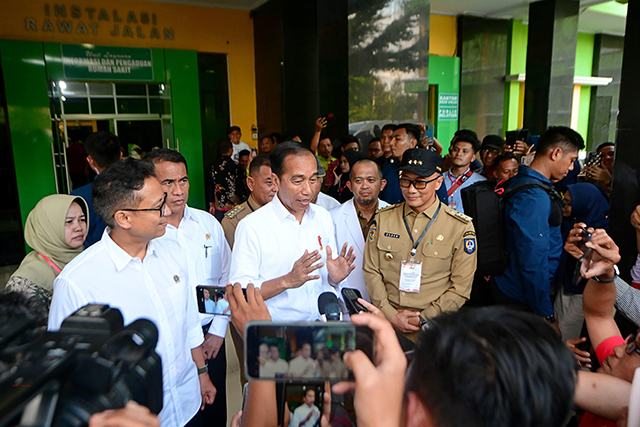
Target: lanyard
(458, 182)
(415, 244)
(55, 267)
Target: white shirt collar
(118, 255)
(283, 213)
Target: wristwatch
(203, 370)
(551, 319)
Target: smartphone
(428, 133)
(592, 159)
(213, 300)
(516, 135)
(350, 297)
(303, 352)
(586, 236)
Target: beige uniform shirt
(233, 217)
(447, 252)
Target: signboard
(448, 107)
(89, 62)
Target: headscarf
(352, 157)
(44, 233)
(589, 205)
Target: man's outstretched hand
(342, 266)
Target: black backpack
(484, 202)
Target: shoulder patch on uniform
(458, 215)
(235, 211)
(373, 232)
(470, 245)
(386, 208)
(469, 233)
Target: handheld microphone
(329, 307)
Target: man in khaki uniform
(262, 187)
(420, 255)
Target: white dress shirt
(156, 288)
(326, 201)
(200, 235)
(304, 368)
(267, 244)
(348, 230)
(455, 200)
(301, 413)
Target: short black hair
(493, 367)
(605, 144)
(166, 155)
(280, 153)
(374, 140)
(257, 163)
(504, 157)
(466, 133)
(103, 147)
(277, 138)
(378, 167)
(349, 139)
(116, 188)
(388, 126)
(559, 136)
(411, 129)
(289, 136)
(232, 128)
(465, 137)
(244, 152)
(306, 391)
(224, 146)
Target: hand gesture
(635, 218)
(598, 173)
(406, 321)
(211, 346)
(379, 388)
(299, 274)
(342, 266)
(604, 255)
(207, 390)
(520, 147)
(372, 308)
(242, 311)
(583, 357)
(321, 123)
(576, 239)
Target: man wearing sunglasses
(420, 255)
(129, 269)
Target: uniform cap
(421, 161)
(492, 141)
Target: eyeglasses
(631, 347)
(160, 209)
(491, 150)
(418, 185)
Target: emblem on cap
(176, 278)
(388, 256)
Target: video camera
(93, 363)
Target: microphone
(329, 308)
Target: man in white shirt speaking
(286, 247)
(307, 414)
(353, 218)
(143, 278)
(202, 240)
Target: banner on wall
(90, 62)
(448, 107)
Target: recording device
(428, 133)
(516, 135)
(303, 352)
(91, 364)
(350, 297)
(586, 236)
(593, 159)
(329, 307)
(213, 299)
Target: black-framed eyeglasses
(160, 209)
(418, 184)
(631, 346)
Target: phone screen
(295, 352)
(213, 300)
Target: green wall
(182, 75)
(583, 67)
(516, 64)
(444, 71)
(23, 69)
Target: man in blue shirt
(103, 150)
(533, 226)
(405, 136)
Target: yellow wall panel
(443, 36)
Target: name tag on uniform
(410, 276)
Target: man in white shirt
(201, 238)
(353, 218)
(234, 135)
(291, 259)
(307, 414)
(274, 366)
(143, 278)
(304, 366)
(463, 153)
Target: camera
(93, 363)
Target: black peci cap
(422, 162)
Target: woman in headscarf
(339, 189)
(585, 203)
(55, 229)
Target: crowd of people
(504, 321)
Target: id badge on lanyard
(411, 270)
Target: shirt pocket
(395, 247)
(212, 261)
(437, 261)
